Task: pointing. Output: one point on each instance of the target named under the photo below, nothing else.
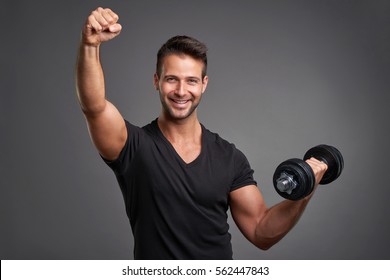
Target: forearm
(265, 226)
(278, 221)
(90, 80)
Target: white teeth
(180, 101)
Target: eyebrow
(193, 78)
(189, 77)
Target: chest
(166, 176)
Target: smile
(179, 101)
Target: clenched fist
(101, 26)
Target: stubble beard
(175, 114)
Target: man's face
(180, 85)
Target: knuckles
(105, 17)
(317, 166)
(100, 20)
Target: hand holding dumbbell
(294, 178)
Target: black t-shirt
(179, 210)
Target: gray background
(284, 76)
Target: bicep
(248, 208)
(108, 131)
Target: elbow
(265, 245)
(265, 242)
(266, 237)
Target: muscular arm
(105, 123)
(265, 226)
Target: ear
(155, 81)
(205, 82)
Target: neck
(179, 131)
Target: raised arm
(106, 125)
(264, 226)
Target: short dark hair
(183, 45)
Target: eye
(193, 81)
(170, 79)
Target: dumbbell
(294, 179)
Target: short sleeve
(121, 163)
(243, 173)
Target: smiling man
(178, 179)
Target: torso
(177, 197)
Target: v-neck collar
(170, 146)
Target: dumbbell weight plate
(301, 173)
(332, 157)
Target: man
(177, 178)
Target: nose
(180, 89)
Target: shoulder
(220, 146)
(231, 158)
(138, 131)
(216, 141)
(151, 129)
(137, 136)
